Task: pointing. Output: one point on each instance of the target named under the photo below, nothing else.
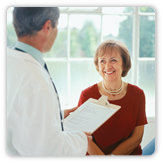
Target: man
(34, 118)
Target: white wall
(149, 132)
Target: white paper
(88, 117)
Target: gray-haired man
(34, 118)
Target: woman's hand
(93, 149)
(68, 111)
(126, 147)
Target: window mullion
(135, 46)
(101, 30)
(68, 60)
(101, 26)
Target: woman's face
(111, 66)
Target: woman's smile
(109, 72)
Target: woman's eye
(102, 61)
(113, 60)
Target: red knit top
(121, 125)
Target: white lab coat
(33, 118)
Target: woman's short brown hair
(114, 45)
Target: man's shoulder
(19, 55)
(23, 65)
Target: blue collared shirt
(31, 50)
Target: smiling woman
(112, 61)
(114, 48)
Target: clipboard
(90, 115)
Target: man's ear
(47, 27)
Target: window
(81, 30)
(146, 59)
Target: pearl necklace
(113, 92)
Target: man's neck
(34, 41)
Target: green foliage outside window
(147, 33)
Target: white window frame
(135, 44)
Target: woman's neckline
(128, 85)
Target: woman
(123, 132)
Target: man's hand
(89, 137)
(68, 111)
